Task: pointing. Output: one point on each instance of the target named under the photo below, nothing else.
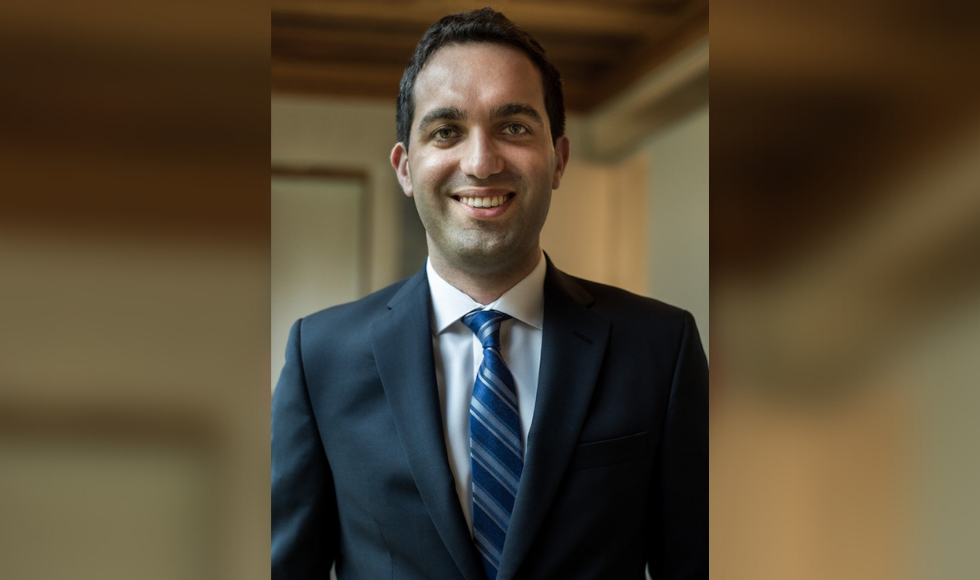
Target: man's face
(480, 163)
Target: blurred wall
(677, 249)
(134, 403)
(338, 135)
(129, 417)
(596, 225)
(844, 414)
(942, 370)
(317, 249)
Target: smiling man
(482, 165)
(490, 417)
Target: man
(490, 417)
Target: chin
(480, 259)
(490, 257)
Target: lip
(483, 212)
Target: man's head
(484, 25)
(479, 156)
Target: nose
(480, 158)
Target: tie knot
(485, 324)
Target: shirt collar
(524, 302)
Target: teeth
(484, 201)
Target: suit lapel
(402, 343)
(572, 349)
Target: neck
(485, 286)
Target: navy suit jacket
(615, 474)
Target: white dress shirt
(458, 355)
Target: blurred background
(845, 269)
(134, 290)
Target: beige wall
(348, 135)
(131, 407)
(677, 190)
(596, 228)
(316, 257)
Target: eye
(515, 129)
(444, 133)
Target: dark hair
(484, 25)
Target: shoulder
(638, 313)
(619, 305)
(616, 300)
(354, 318)
(369, 305)
(642, 330)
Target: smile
(491, 201)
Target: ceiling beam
(651, 53)
(571, 17)
(662, 96)
(779, 46)
(335, 79)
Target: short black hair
(483, 25)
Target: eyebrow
(501, 112)
(442, 113)
(514, 110)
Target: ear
(561, 160)
(399, 160)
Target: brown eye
(444, 133)
(515, 129)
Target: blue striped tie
(495, 442)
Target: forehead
(475, 76)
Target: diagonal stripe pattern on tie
(495, 441)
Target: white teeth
(483, 201)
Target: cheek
(427, 171)
(539, 169)
(536, 159)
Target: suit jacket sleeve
(304, 507)
(678, 534)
